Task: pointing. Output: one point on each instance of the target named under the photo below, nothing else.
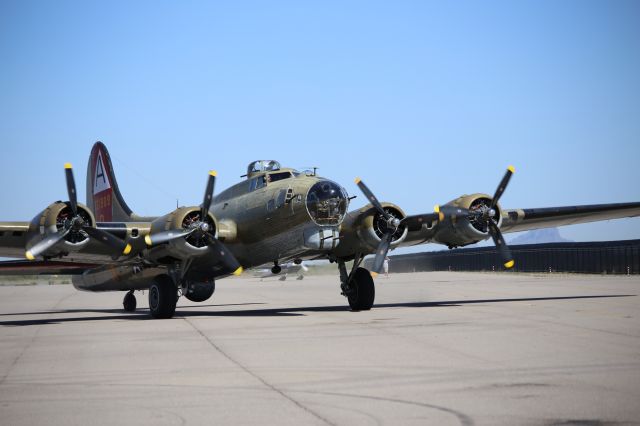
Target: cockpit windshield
(327, 203)
(263, 166)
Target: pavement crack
(33, 338)
(256, 376)
(464, 419)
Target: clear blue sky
(423, 100)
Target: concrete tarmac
(438, 348)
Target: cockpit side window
(256, 183)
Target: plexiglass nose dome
(327, 203)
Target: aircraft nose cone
(327, 203)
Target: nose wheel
(129, 302)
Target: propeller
(493, 229)
(486, 216)
(76, 224)
(413, 222)
(201, 230)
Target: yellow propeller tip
(127, 249)
(358, 180)
(511, 169)
(147, 239)
(436, 208)
(213, 173)
(509, 264)
(67, 165)
(374, 274)
(440, 216)
(29, 255)
(238, 271)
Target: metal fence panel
(608, 257)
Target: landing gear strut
(357, 286)
(129, 302)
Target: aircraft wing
(47, 267)
(13, 239)
(17, 237)
(516, 220)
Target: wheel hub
(154, 297)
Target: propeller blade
(503, 185)
(415, 222)
(166, 236)
(208, 194)
(381, 252)
(71, 188)
(501, 245)
(372, 198)
(223, 254)
(46, 244)
(108, 239)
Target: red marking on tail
(102, 189)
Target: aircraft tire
(162, 297)
(129, 302)
(199, 292)
(364, 292)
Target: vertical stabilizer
(103, 195)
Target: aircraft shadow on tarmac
(185, 312)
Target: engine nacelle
(362, 230)
(179, 220)
(457, 230)
(54, 218)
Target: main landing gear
(163, 297)
(164, 294)
(357, 286)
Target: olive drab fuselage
(280, 214)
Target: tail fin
(103, 195)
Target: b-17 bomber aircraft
(275, 215)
